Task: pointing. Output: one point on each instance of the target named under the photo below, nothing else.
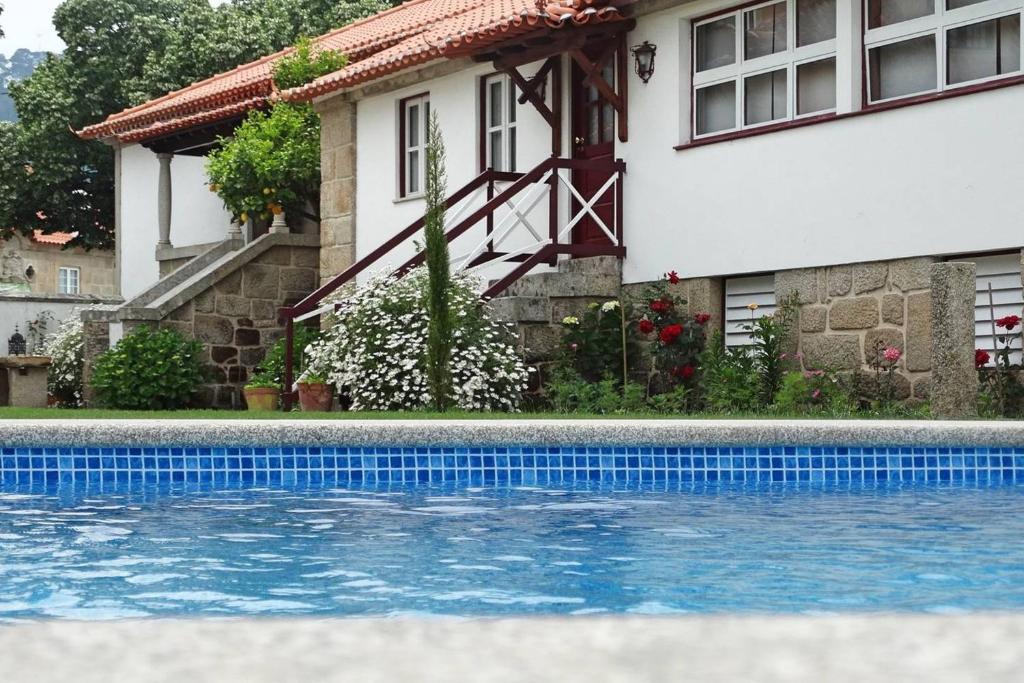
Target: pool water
(137, 550)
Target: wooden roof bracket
(614, 93)
(530, 90)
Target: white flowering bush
(64, 347)
(375, 352)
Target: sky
(28, 23)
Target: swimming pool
(442, 521)
(137, 550)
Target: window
(498, 123)
(740, 294)
(764, 64)
(925, 46)
(67, 280)
(998, 294)
(414, 117)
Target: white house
(827, 150)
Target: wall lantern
(643, 56)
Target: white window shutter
(1002, 272)
(740, 292)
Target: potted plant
(262, 393)
(315, 394)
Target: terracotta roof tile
(58, 238)
(413, 33)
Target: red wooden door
(593, 137)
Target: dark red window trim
(812, 120)
(402, 139)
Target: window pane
(885, 12)
(414, 125)
(957, 4)
(815, 21)
(989, 48)
(765, 97)
(903, 68)
(512, 104)
(414, 172)
(716, 108)
(512, 149)
(496, 157)
(496, 101)
(816, 86)
(593, 125)
(716, 44)
(607, 122)
(764, 31)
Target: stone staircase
(227, 298)
(537, 303)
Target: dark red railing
(547, 253)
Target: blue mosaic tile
(510, 464)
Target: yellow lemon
(244, 217)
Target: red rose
(688, 371)
(702, 318)
(981, 358)
(661, 306)
(1008, 322)
(673, 277)
(669, 333)
(646, 326)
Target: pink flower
(783, 356)
(892, 354)
(799, 355)
(574, 346)
(816, 394)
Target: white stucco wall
(197, 215)
(930, 179)
(933, 178)
(380, 214)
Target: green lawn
(101, 414)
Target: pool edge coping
(426, 433)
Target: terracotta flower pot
(261, 398)
(315, 397)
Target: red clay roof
(58, 238)
(416, 32)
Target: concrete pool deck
(509, 431)
(835, 649)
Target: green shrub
(731, 381)
(569, 392)
(813, 391)
(149, 370)
(592, 342)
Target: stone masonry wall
(338, 186)
(845, 310)
(236, 319)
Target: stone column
(96, 335)
(164, 199)
(954, 387)
(338, 186)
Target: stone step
(572, 284)
(592, 265)
(521, 309)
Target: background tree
(121, 53)
(439, 278)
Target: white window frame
(937, 25)
(69, 280)
(509, 122)
(788, 59)
(405, 106)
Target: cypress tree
(439, 342)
